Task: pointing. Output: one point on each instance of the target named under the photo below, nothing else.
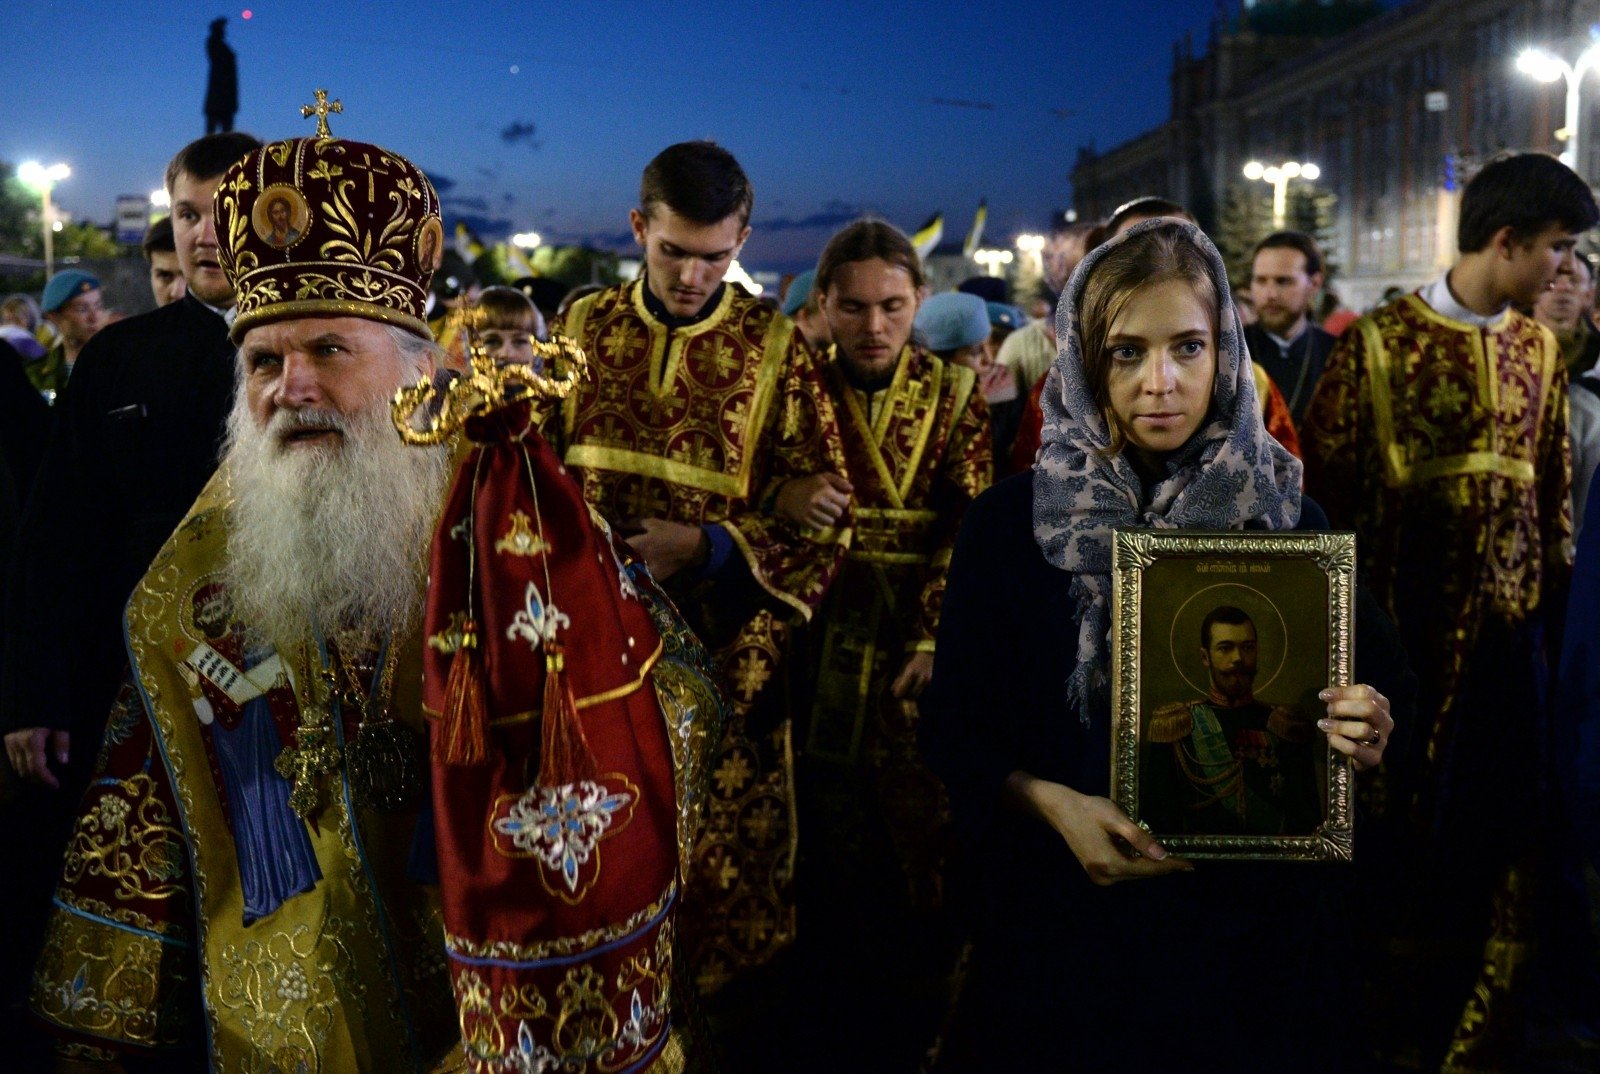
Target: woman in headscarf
(1151, 420)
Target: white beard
(328, 536)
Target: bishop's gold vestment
(195, 904)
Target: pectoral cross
(321, 110)
(303, 764)
(315, 751)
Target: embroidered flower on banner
(643, 1024)
(537, 622)
(561, 827)
(531, 1057)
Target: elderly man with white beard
(249, 886)
(235, 891)
(332, 511)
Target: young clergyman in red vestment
(702, 409)
(1439, 434)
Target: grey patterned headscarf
(1230, 474)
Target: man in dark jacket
(136, 437)
(1285, 275)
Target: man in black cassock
(137, 434)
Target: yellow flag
(975, 236)
(928, 235)
(517, 259)
(468, 245)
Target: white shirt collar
(1285, 344)
(1439, 297)
(227, 314)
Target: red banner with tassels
(552, 769)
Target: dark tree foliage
(1246, 219)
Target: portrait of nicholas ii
(1229, 763)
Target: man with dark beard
(1286, 273)
(265, 760)
(1237, 764)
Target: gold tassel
(466, 719)
(565, 757)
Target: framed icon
(1222, 642)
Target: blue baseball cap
(799, 292)
(65, 286)
(953, 319)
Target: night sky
(833, 108)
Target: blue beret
(64, 287)
(1004, 316)
(799, 292)
(953, 319)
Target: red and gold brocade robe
(1444, 446)
(700, 425)
(191, 894)
(919, 452)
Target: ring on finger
(1372, 739)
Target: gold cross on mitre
(321, 110)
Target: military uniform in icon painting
(1236, 765)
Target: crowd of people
(738, 697)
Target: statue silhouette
(222, 84)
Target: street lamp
(43, 179)
(1546, 66)
(992, 260)
(526, 240)
(1279, 175)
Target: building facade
(1397, 113)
